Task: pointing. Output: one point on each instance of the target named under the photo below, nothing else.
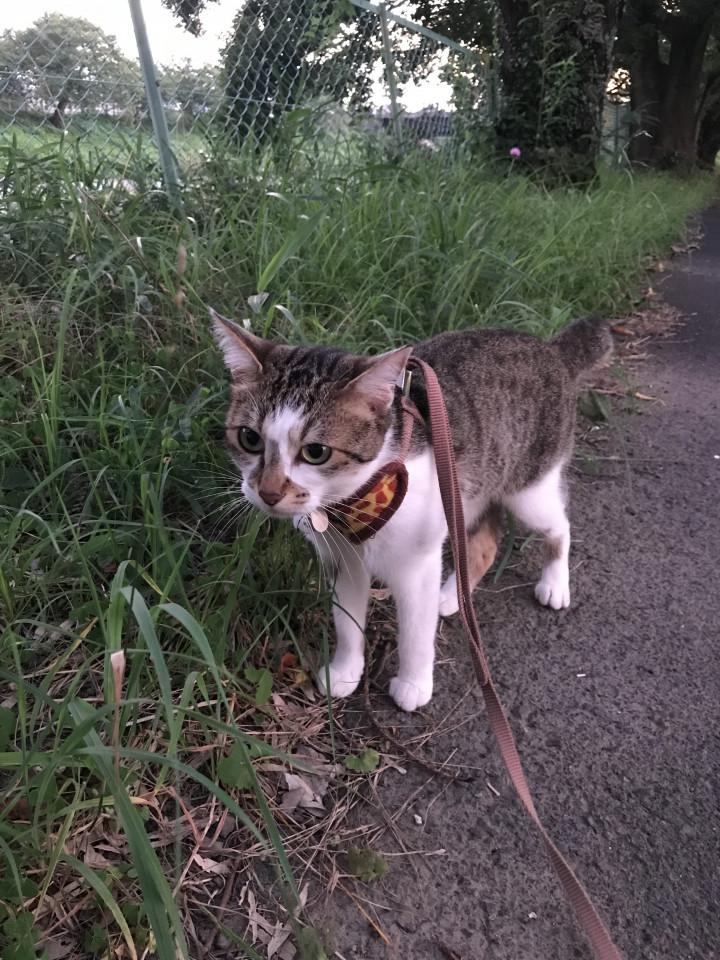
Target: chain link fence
(335, 70)
(330, 71)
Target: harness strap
(587, 915)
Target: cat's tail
(584, 343)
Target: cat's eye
(250, 440)
(315, 453)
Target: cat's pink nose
(270, 497)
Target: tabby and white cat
(308, 426)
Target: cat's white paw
(448, 597)
(343, 680)
(553, 590)
(409, 695)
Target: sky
(170, 42)
(167, 39)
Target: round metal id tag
(319, 521)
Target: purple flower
(515, 152)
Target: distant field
(103, 137)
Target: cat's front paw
(409, 695)
(553, 591)
(343, 679)
(449, 597)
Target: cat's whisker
(232, 513)
(217, 473)
(219, 493)
(220, 533)
(229, 501)
(338, 515)
(343, 544)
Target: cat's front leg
(415, 586)
(350, 602)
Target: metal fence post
(157, 113)
(390, 74)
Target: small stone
(418, 819)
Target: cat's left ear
(244, 353)
(376, 384)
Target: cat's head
(306, 426)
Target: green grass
(92, 137)
(119, 530)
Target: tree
(283, 53)
(555, 62)
(664, 44)
(192, 91)
(555, 59)
(709, 108)
(188, 12)
(61, 62)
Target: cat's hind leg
(542, 508)
(483, 540)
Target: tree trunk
(665, 96)
(646, 95)
(58, 115)
(554, 69)
(709, 127)
(520, 78)
(677, 138)
(709, 142)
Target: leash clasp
(404, 381)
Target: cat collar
(365, 513)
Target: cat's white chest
(416, 529)
(417, 526)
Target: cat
(308, 427)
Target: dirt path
(615, 704)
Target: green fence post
(157, 113)
(390, 74)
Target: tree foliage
(62, 62)
(282, 54)
(191, 91)
(471, 22)
(189, 12)
(554, 62)
(670, 48)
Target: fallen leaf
(278, 940)
(211, 866)
(364, 762)
(622, 330)
(301, 793)
(57, 949)
(288, 663)
(96, 860)
(233, 770)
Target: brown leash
(441, 436)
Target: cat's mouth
(282, 511)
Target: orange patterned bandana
(373, 505)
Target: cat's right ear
(244, 353)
